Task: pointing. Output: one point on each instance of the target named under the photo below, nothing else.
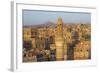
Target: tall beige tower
(59, 40)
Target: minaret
(59, 40)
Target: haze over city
(33, 17)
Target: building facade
(58, 41)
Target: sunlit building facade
(57, 42)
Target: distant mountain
(49, 25)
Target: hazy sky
(32, 17)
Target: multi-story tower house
(59, 40)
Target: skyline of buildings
(56, 42)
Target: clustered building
(61, 42)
